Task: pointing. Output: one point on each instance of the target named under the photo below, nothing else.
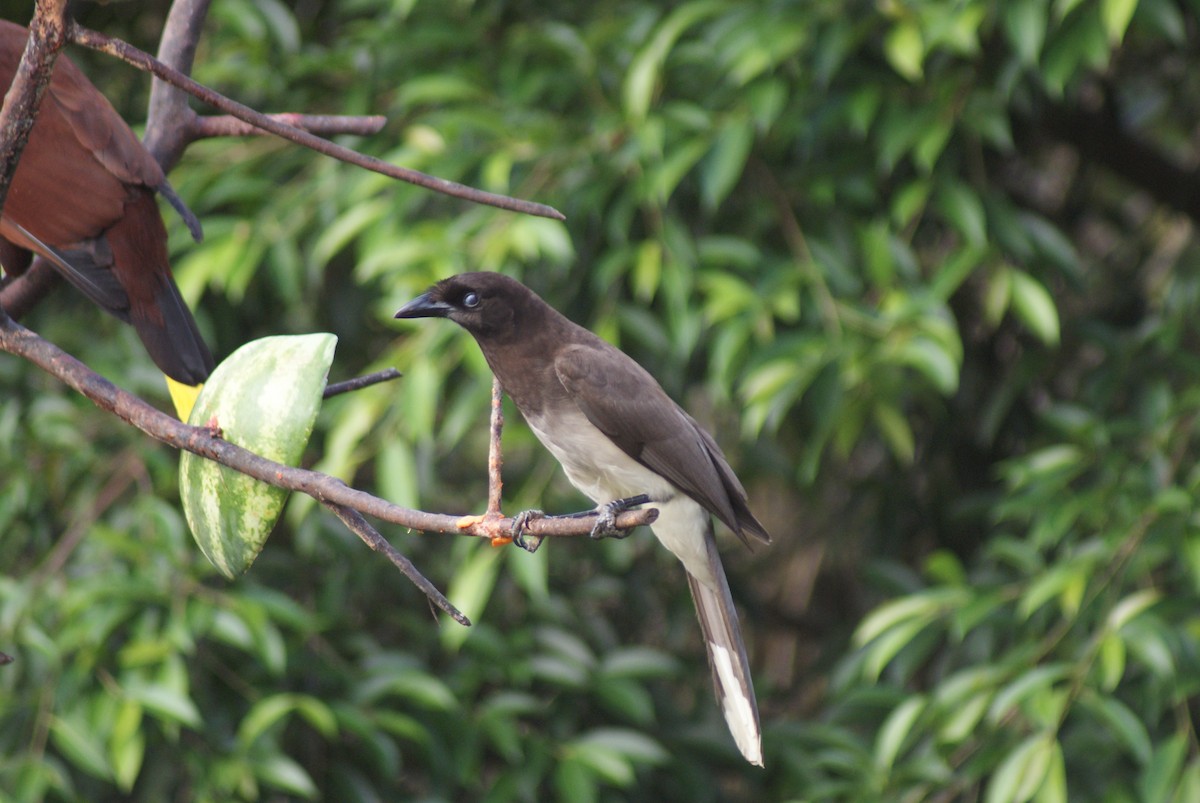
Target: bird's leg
(606, 519)
(529, 543)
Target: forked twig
(371, 537)
(144, 61)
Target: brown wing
(83, 197)
(70, 184)
(628, 405)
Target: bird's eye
(470, 300)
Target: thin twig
(144, 61)
(225, 125)
(495, 458)
(371, 537)
(360, 382)
(24, 292)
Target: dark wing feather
(628, 405)
(88, 268)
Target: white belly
(597, 467)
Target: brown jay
(618, 435)
(83, 198)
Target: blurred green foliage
(949, 348)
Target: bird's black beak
(424, 306)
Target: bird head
(488, 305)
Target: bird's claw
(529, 543)
(606, 517)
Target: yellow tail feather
(183, 396)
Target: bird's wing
(99, 129)
(627, 404)
(88, 268)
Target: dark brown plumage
(617, 435)
(83, 198)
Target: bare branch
(23, 292)
(371, 537)
(495, 458)
(169, 117)
(360, 382)
(325, 125)
(17, 340)
(46, 38)
(143, 61)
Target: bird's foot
(606, 519)
(529, 543)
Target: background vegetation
(927, 268)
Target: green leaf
(575, 781)
(1059, 581)
(925, 606)
(727, 160)
(264, 397)
(166, 703)
(1110, 661)
(81, 745)
(269, 710)
(1118, 720)
(1189, 783)
(638, 662)
(346, 227)
(471, 587)
(1160, 776)
(881, 651)
(962, 206)
(1025, 22)
(531, 572)
(283, 773)
(1115, 15)
(1026, 685)
(626, 698)
(1054, 785)
(644, 71)
(933, 361)
(1022, 773)
(1132, 606)
(904, 48)
(895, 431)
(638, 747)
(412, 685)
(127, 745)
(1034, 306)
(895, 730)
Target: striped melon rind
(264, 397)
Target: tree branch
(169, 116)
(16, 339)
(360, 382)
(24, 292)
(46, 38)
(495, 458)
(143, 61)
(371, 537)
(224, 125)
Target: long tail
(727, 657)
(156, 309)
